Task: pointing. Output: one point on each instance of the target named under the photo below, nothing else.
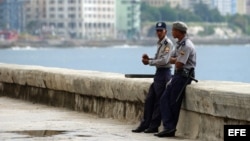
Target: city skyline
(93, 19)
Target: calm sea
(214, 62)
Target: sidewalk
(25, 121)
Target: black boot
(151, 130)
(139, 129)
(166, 133)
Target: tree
(206, 14)
(32, 26)
(148, 13)
(166, 13)
(241, 21)
(216, 16)
(202, 11)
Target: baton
(186, 83)
(139, 75)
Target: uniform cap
(180, 26)
(160, 25)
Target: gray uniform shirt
(185, 53)
(163, 54)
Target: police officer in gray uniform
(152, 117)
(184, 58)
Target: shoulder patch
(167, 49)
(182, 53)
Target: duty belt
(184, 72)
(180, 71)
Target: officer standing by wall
(152, 118)
(184, 58)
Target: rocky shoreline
(107, 43)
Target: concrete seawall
(207, 106)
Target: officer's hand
(145, 61)
(145, 56)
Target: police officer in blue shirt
(184, 58)
(152, 117)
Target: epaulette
(183, 43)
(165, 42)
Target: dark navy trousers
(152, 114)
(170, 109)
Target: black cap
(160, 25)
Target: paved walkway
(25, 121)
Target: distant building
(174, 3)
(188, 4)
(34, 15)
(248, 7)
(156, 3)
(185, 4)
(128, 19)
(11, 15)
(226, 7)
(86, 19)
(241, 7)
(98, 19)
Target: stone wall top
(215, 98)
(219, 98)
(94, 83)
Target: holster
(185, 72)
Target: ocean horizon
(214, 62)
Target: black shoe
(139, 129)
(151, 130)
(166, 133)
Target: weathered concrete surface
(25, 121)
(207, 106)
(92, 83)
(106, 94)
(218, 98)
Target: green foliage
(201, 13)
(215, 14)
(166, 13)
(186, 15)
(148, 13)
(31, 26)
(209, 30)
(240, 21)
(151, 32)
(206, 14)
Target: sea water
(214, 62)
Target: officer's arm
(163, 60)
(172, 60)
(173, 57)
(179, 65)
(181, 60)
